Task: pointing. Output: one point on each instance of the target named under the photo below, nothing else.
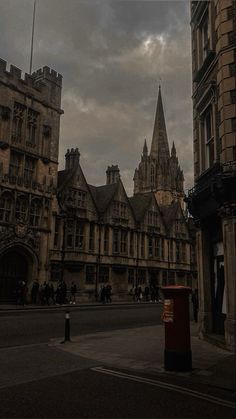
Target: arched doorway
(13, 268)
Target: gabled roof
(140, 203)
(63, 176)
(103, 195)
(170, 213)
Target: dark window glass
(115, 241)
(35, 212)
(106, 240)
(103, 274)
(90, 274)
(91, 237)
(79, 235)
(5, 208)
(21, 209)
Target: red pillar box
(177, 355)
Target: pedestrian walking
(52, 293)
(73, 290)
(140, 294)
(34, 292)
(108, 293)
(146, 292)
(103, 295)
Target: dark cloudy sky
(111, 54)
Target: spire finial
(145, 149)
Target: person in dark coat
(34, 292)
(108, 293)
(73, 290)
(103, 295)
(140, 294)
(47, 292)
(146, 292)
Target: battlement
(49, 74)
(36, 80)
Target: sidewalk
(33, 307)
(142, 350)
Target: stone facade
(29, 139)
(159, 171)
(54, 225)
(103, 236)
(212, 201)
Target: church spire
(173, 150)
(160, 146)
(145, 149)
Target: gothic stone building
(212, 201)
(54, 225)
(29, 137)
(103, 236)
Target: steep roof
(170, 213)
(160, 146)
(102, 195)
(140, 203)
(63, 175)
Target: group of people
(105, 294)
(148, 294)
(45, 294)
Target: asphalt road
(39, 380)
(24, 328)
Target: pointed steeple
(160, 146)
(173, 150)
(145, 149)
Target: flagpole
(32, 39)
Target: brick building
(212, 201)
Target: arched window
(35, 213)
(5, 208)
(21, 209)
(18, 120)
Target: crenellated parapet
(49, 74)
(44, 83)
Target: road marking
(173, 387)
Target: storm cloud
(112, 55)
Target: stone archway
(15, 264)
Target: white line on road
(168, 386)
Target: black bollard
(67, 327)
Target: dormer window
(119, 210)
(81, 199)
